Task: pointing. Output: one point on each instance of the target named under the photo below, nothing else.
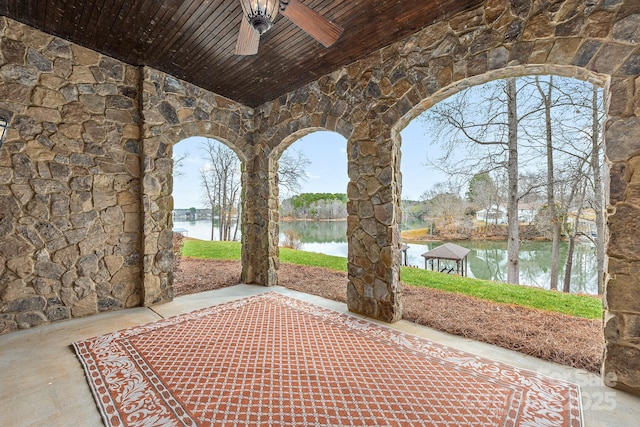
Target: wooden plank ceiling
(195, 39)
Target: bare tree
(445, 208)
(178, 163)
(570, 125)
(220, 180)
(546, 97)
(598, 202)
(291, 171)
(578, 185)
(515, 127)
(583, 141)
(489, 138)
(513, 242)
(210, 194)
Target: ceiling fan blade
(311, 22)
(248, 39)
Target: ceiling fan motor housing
(260, 23)
(261, 13)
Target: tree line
(318, 206)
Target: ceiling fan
(258, 17)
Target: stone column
(260, 220)
(374, 255)
(621, 364)
(157, 206)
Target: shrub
(292, 240)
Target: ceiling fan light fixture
(258, 16)
(260, 13)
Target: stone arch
(310, 107)
(614, 65)
(285, 144)
(379, 92)
(609, 59)
(504, 73)
(260, 253)
(233, 147)
(453, 88)
(296, 135)
(173, 110)
(241, 155)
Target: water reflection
(487, 260)
(317, 231)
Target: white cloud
(312, 176)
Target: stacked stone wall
(86, 176)
(70, 217)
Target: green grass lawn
(214, 250)
(231, 251)
(576, 305)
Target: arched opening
(312, 178)
(448, 211)
(450, 164)
(207, 189)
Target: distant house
(493, 215)
(586, 222)
(498, 214)
(527, 212)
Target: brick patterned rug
(275, 360)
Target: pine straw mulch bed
(559, 338)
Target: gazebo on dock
(450, 252)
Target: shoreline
(291, 219)
(470, 239)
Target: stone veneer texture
(70, 217)
(86, 179)
(86, 176)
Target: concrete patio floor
(43, 384)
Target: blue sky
(328, 170)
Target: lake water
(487, 260)
(197, 229)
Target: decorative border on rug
(109, 357)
